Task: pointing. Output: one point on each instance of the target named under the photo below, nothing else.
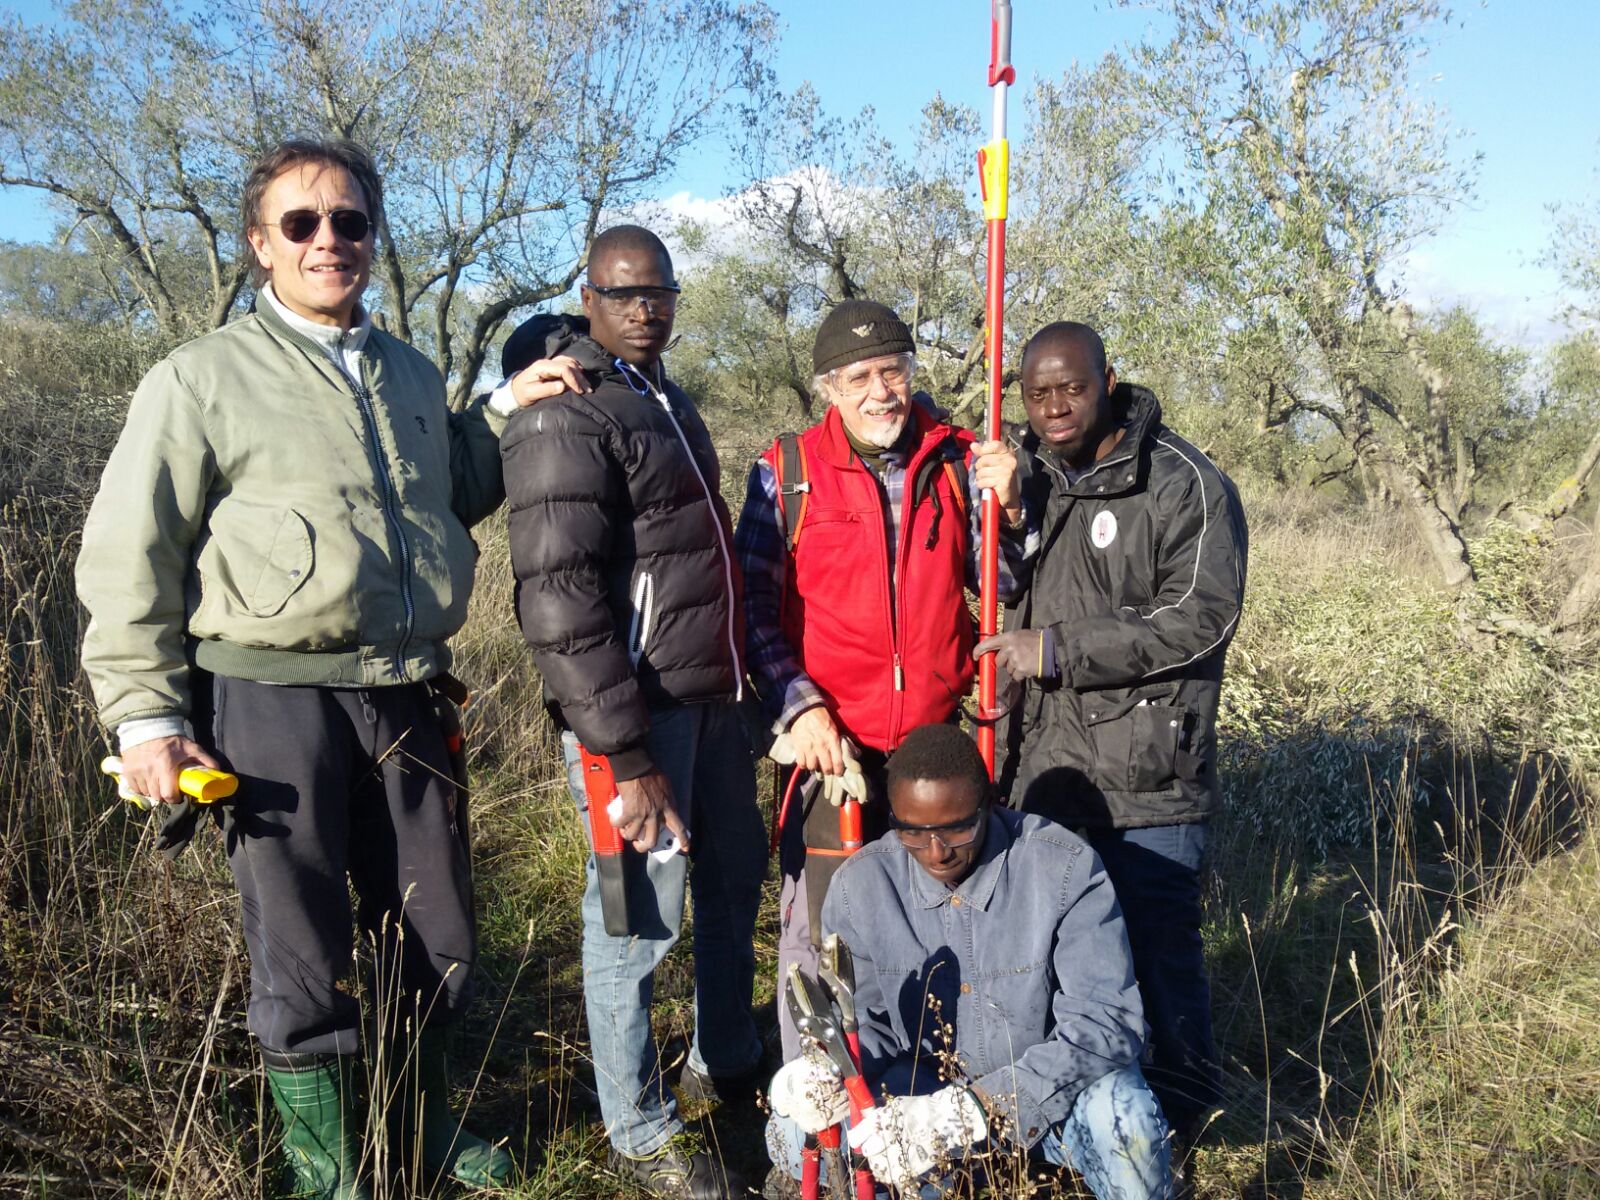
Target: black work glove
(1022, 653)
(178, 825)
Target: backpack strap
(793, 487)
(956, 473)
(955, 470)
(925, 486)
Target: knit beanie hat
(858, 329)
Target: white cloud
(722, 219)
(1520, 302)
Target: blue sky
(1520, 78)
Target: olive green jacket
(263, 518)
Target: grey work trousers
(337, 783)
(805, 874)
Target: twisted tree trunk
(1584, 598)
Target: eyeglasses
(620, 301)
(855, 382)
(952, 836)
(301, 224)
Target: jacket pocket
(250, 560)
(288, 563)
(1136, 744)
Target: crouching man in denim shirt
(995, 992)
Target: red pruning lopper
(818, 1023)
(836, 971)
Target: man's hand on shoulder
(548, 377)
(151, 769)
(647, 804)
(539, 380)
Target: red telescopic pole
(994, 171)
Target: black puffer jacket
(1140, 578)
(622, 547)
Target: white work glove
(837, 788)
(905, 1138)
(782, 751)
(809, 1091)
(852, 784)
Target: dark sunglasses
(301, 224)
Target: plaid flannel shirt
(785, 689)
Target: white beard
(880, 435)
(883, 436)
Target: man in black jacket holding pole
(627, 592)
(1119, 642)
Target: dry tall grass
(1401, 919)
(1489, 1049)
(119, 975)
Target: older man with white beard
(856, 539)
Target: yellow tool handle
(200, 784)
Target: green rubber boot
(316, 1097)
(448, 1148)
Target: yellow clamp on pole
(201, 784)
(994, 174)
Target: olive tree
(1575, 252)
(504, 130)
(64, 286)
(1315, 171)
(835, 211)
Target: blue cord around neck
(632, 373)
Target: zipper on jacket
(391, 510)
(644, 593)
(897, 574)
(390, 494)
(722, 541)
(891, 581)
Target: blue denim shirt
(1025, 962)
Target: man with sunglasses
(275, 560)
(994, 988)
(627, 593)
(857, 540)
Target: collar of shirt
(886, 466)
(331, 338)
(976, 889)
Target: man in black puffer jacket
(627, 593)
(1120, 639)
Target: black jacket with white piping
(1140, 580)
(626, 586)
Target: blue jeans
(1156, 873)
(1115, 1137)
(703, 751)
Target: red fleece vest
(884, 667)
